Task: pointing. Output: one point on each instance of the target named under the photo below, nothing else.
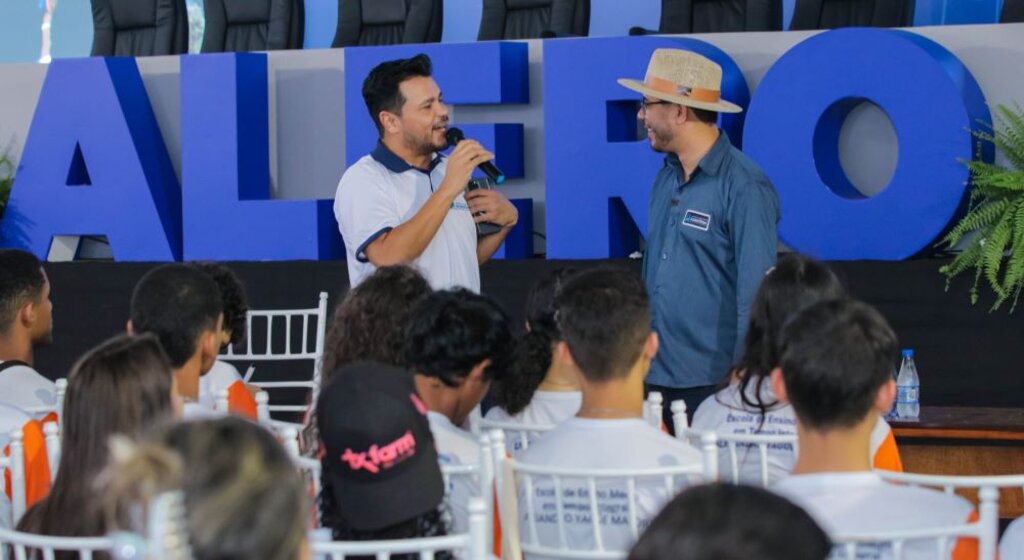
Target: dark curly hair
(531, 357)
(370, 322)
(232, 296)
(430, 524)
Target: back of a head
(604, 316)
(451, 331)
(21, 279)
(232, 297)
(835, 356)
(380, 88)
(177, 303)
(120, 388)
(243, 495)
(370, 322)
(728, 522)
(532, 355)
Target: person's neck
(188, 378)
(835, 450)
(438, 398)
(407, 155)
(16, 346)
(618, 398)
(560, 378)
(696, 143)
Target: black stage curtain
(966, 356)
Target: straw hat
(683, 77)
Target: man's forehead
(419, 88)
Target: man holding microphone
(405, 203)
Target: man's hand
(489, 205)
(467, 155)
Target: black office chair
(830, 14)
(388, 22)
(716, 16)
(1013, 11)
(533, 19)
(139, 27)
(253, 25)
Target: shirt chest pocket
(700, 225)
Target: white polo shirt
(381, 191)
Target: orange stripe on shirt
(887, 458)
(967, 548)
(241, 401)
(37, 466)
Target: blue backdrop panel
(475, 73)
(591, 152)
(225, 170)
(95, 164)
(793, 127)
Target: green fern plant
(6, 180)
(996, 214)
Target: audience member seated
(605, 320)
(223, 375)
(243, 496)
(122, 387)
(380, 478)
(457, 342)
(747, 405)
(369, 324)
(836, 362)
(732, 522)
(182, 307)
(540, 388)
(26, 321)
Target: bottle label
(906, 394)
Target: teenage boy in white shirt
(456, 342)
(836, 361)
(605, 320)
(26, 322)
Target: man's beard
(661, 141)
(425, 146)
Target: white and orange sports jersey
(546, 408)
(224, 376)
(37, 466)
(725, 412)
(861, 502)
(587, 443)
(23, 387)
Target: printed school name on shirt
(612, 507)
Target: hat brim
(722, 106)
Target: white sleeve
(1011, 547)
(365, 209)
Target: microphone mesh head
(454, 136)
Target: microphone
(454, 136)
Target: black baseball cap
(379, 452)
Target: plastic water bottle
(908, 385)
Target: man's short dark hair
(380, 88)
(21, 280)
(177, 303)
(728, 522)
(232, 297)
(605, 317)
(451, 331)
(704, 116)
(835, 356)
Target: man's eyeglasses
(645, 103)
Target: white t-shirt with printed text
(605, 444)
(546, 408)
(725, 412)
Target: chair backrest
(583, 513)
(139, 27)
(719, 16)
(388, 22)
(253, 25)
(51, 431)
(13, 462)
(830, 14)
(517, 436)
(31, 545)
(530, 19)
(299, 336)
(468, 546)
(51, 413)
(1013, 11)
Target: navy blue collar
(395, 164)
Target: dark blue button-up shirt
(710, 241)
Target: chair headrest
(384, 12)
(130, 14)
(247, 11)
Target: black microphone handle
(454, 136)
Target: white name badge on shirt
(697, 220)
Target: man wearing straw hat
(711, 227)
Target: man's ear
(886, 396)
(779, 385)
(477, 373)
(389, 122)
(129, 329)
(651, 345)
(563, 352)
(27, 314)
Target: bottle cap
(908, 353)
